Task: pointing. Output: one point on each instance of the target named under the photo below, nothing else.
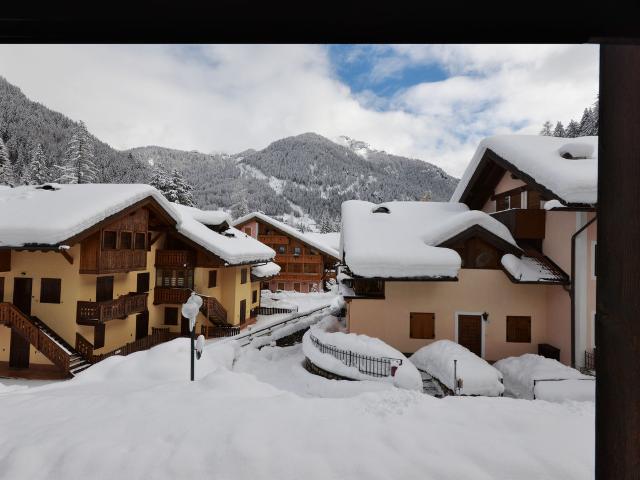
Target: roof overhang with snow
(544, 163)
(289, 231)
(412, 240)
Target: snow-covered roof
(313, 242)
(208, 217)
(331, 239)
(573, 180)
(531, 269)
(232, 245)
(402, 243)
(269, 269)
(33, 215)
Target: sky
(431, 102)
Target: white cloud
(229, 98)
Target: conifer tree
(37, 171)
(78, 165)
(183, 191)
(559, 130)
(586, 123)
(7, 174)
(546, 129)
(573, 129)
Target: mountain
(24, 124)
(306, 176)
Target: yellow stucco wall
(477, 291)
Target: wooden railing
(169, 295)
(158, 336)
(112, 261)
(175, 258)
(291, 258)
(12, 317)
(272, 310)
(299, 276)
(213, 310)
(218, 331)
(274, 239)
(92, 313)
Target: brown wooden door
(470, 332)
(142, 325)
(19, 348)
(104, 289)
(243, 311)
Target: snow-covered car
(532, 377)
(468, 375)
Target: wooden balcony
(94, 313)
(524, 224)
(172, 296)
(175, 259)
(274, 239)
(290, 258)
(299, 277)
(117, 261)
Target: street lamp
(190, 310)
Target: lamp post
(190, 310)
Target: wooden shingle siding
(519, 329)
(422, 325)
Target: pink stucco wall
(477, 291)
(506, 183)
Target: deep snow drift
(138, 417)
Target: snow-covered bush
(522, 377)
(478, 377)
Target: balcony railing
(93, 313)
(291, 258)
(112, 261)
(174, 296)
(302, 277)
(274, 239)
(175, 258)
(524, 224)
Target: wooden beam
(67, 256)
(618, 264)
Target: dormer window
(381, 209)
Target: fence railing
(273, 310)
(219, 331)
(368, 365)
(590, 360)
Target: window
(422, 325)
(297, 251)
(140, 241)
(243, 310)
(1, 289)
(519, 329)
(50, 290)
(243, 276)
(143, 282)
(171, 316)
(294, 267)
(280, 286)
(296, 287)
(213, 278)
(126, 240)
(254, 296)
(247, 230)
(265, 286)
(109, 239)
(311, 268)
(282, 249)
(174, 278)
(98, 335)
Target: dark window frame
(115, 240)
(254, 296)
(123, 244)
(141, 282)
(136, 243)
(169, 313)
(50, 290)
(99, 334)
(243, 276)
(417, 329)
(1, 289)
(514, 332)
(213, 278)
(282, 249)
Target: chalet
(306, 262)
(87, 271)
(544, 189)
(416, 272)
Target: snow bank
(32, 215)
(269, 269)
(527, 269)
(403, 243)
(573, 180)
(478, 377)
(407, 376)
(283, 227)
(521, 372)
(206, 217)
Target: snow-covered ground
(304, 301)
(139, 417)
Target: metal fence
(274, 310)
(373, 366)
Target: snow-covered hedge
(564, 383)
(406, 375)
(478, 377)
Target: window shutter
(519, 329)
(50, 290)
(98, 335)
(422, 325)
